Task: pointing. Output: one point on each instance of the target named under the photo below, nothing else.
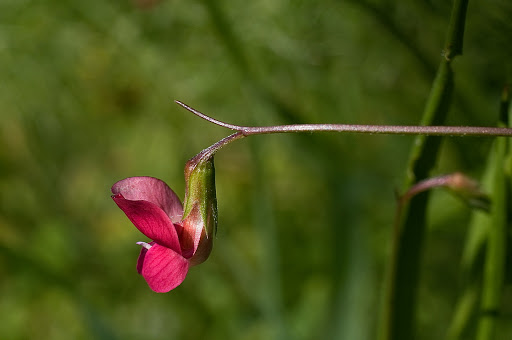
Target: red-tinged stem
(211, 150)
(476, 131)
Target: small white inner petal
(145, 245)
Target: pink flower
(178, 241)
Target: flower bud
(200, 210)
(469, 190)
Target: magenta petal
(151, 221)
(152, 190)
(163, 268)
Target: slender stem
(383, 129)
(496, 246)
(493, 276)
(208, 118)
(398, 320)
(455, 37)
(210, 151)
(430, 183)
(355, 128)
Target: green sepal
(200, 191)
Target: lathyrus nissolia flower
(181, 235)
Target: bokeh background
(305, 221)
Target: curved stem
(211, 150)
(355, 128)
(208, 118)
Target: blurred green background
(305, 221)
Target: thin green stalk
(463, 312)
(399, 316)
(453, 46)
(494, 266)
(471, 266)
(478, 242)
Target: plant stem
(475, 131)
(494, 267)
(455, 37)
(399, 310)
(496, 245)
(211, 150)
